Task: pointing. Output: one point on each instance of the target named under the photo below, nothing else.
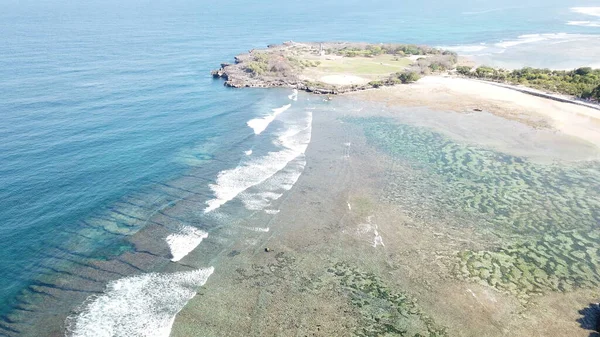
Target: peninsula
(340, 67)
(334, 68)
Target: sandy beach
(466, 95)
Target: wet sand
(385, 236)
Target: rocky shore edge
(236, 77)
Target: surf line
(230, 183)
(184, 241)
(260, 124)
(142, 305)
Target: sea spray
(294, 95)
(230, 183)
(260, 124)
(184, 241)
(137, 306)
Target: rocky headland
(334, 67)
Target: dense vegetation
(276, 64)
(581, 82)
(391, 49)
(397, 78)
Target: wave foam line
(184, 241)
(231, 183)
(530, 38)
(274, 187)
(502, 46)
(592, 11)
(137, 306)
(260, 124)
(584, 23)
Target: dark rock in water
(477, 109)
(267, 249)
(233, 253)
(591, 319)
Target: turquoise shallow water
(103, 100)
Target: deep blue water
(102, 99)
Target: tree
(594, 94)
(463, 70)
(484, 71)
(584, 71)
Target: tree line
(581, 82)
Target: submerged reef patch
(546, 216)
(384, 312)
(559, 261)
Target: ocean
(109, 116)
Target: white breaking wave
(584, 23)
(260, 200)
(137, 306)
(273, 188)
(294, 95)
(184, 241)
(530, 38)
(249, 152)
(260, 229)
(593, 11)
(271, 211)
(230, 183)
(260, 124)
(465, 49)
(501, 47)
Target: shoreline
(535, 92)
(359, 214)
(467, 95)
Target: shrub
(409, 77)
(376, 84)
(485, 71)
(257, 68)
(463, 70)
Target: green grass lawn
(379, 65)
